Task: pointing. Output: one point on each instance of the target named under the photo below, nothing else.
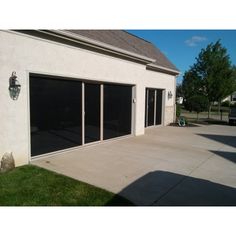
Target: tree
(179, 90)
(192, 84)
(233, 89)
(211, 75)
(197, 103)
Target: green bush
(197, 103)
(233, 104)
(178, 110)
(225, 104)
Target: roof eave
(163, 69)
(98, 45)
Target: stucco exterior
(25, 54)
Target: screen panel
(151, 99)
(92, 112)
(55, 114)
(158, 106)
(117, 110)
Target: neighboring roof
(126, 41)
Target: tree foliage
(192, 84)
(197, 103)
(178, 110)
(233, 78)
(179, 90)
(212, 76)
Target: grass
(213, 112)
(33, 186)
(207, 121)
(191, 117)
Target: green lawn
(33, 186)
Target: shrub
(233, 104)
(197, 103)
(225, 104)
(178, 110)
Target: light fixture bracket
(170, 95)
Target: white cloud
(193, 41)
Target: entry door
(92, 112)
(153, 111)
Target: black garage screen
(56, 106)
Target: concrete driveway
(166, 166)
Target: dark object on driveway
(232, 116)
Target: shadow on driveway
(162, 188)
(230, 156)
(224, 139)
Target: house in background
(64, 89)
(179, 100)
(231, 98)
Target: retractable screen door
(117, 110)
(153, 107)
(55, 114)
(92, 112)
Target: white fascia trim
(96, 44)
(176, 72)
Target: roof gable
(126, 41)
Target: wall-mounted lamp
(14, 86)
(170, 95)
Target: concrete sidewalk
(166, 166)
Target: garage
(66, 113)
(78, 88)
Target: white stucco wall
(25, 54)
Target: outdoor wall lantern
(14, 86)
(170, 95)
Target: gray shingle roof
(129, 42)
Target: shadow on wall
(224, 139)
(162, 188)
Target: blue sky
(183, 46)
